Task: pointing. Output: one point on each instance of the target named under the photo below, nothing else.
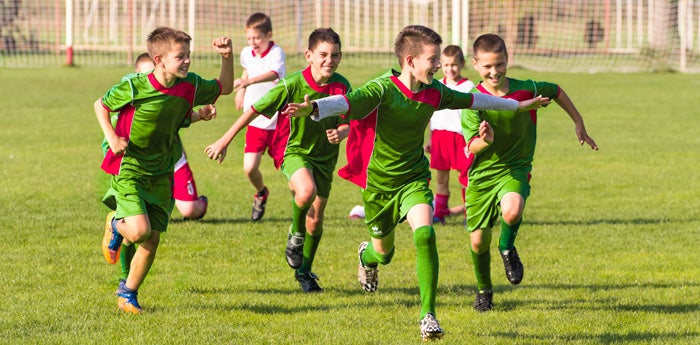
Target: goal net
(557, 35)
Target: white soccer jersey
(449, 119)
(256, 64)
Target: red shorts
(447, 151)
(257, 140)
(184, 188)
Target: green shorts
(483, 199)
(323, 174)
(384, 211)
(132, 196)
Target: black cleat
(259, 202)
(513, 265)
(308, 282)
(484, 301)
(295, 249)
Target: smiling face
(425, 65)
(258, 40)
(492, 67)
(174, 63)
(451, 68)
(324, 60)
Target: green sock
(125, 256)
(310, 246)
(298, 218)
(482, 269)
(427, 267)
(369, 256)
(508, 232)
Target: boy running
(503, 145)
(143, 147)
(446, 142)
(309, 149)
(263, 64)
(386, 159)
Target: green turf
(609, 241)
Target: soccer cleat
(483, 301)
(126, 301)
(308, 282)
(513, 265)
(295, 249)
(367, 276)
(439, 220)
(121, 286)
(259, 202)
(430, 328)
(111, 240)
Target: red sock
(441, 209)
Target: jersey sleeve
(118, 96)
(470, 124)
(276, 62)
(546, 89)
(208, 91)
(363, 100)
(453, 99)
(274, 100)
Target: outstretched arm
(223, 46)
(217, 150)
(318, 109)
(565, 103)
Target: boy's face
(324, 60)
(425, 65)
(145, 66)
(258, 40)
(451, 67)
(176, 61)
(492, 68)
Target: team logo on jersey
(376, 231)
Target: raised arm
(565, 103)
(223, 46)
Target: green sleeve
(365, 99)
(274, 100)
(118, 96)
(470, 124)
(453, 99)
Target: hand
(298, 109)
(223, 46)
(118, 145)
(240, 99)
(486, 132)
(216, 151)
(534, 103)
(333, 136)
(584, 138)
(207, 112)
(240, 83)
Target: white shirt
(270, 60)
(450, 119)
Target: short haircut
(160, 40)
(144, 57)
(455, 52)
(412, 39)
(490, 43)
(323, 35)
(259, 21)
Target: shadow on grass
(209, 220)
(604, 338)
(633, 221)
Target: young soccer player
(503, 145)
(446, 143)
(386, 159)
(187, 201)
(143, 150)
(263, 64)
(310, 149)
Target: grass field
(609, 242)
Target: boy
(143, 147)
(503, 145)
(446, 143)
(385, 156)
(263, 64)
(310, 149)
(191, 206)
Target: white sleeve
(331, 106)
(488, 102)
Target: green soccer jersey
(515, 133)
(388, 122)
(301, 135)
(150, 116)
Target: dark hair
(162, 38)
(454, 51)
(411, 40)
(259, 21)
(490, 43)
(323, 35)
